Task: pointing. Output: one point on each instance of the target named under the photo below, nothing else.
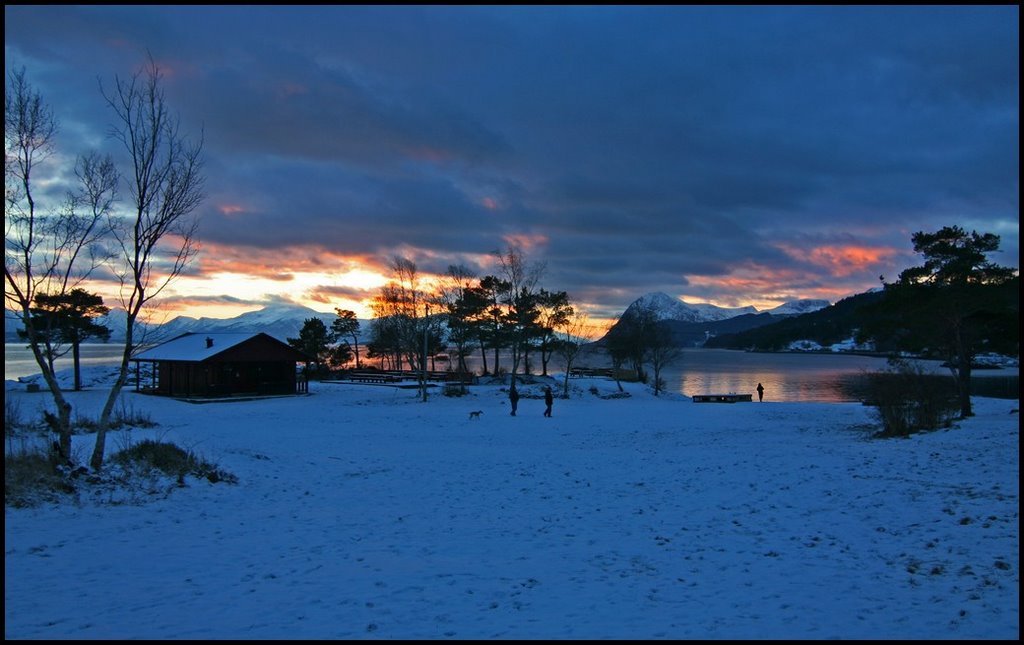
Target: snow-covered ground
(362, 512)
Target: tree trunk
(483, 356)
(963, 359)
(61, 423)
(963, 384)
(78, 368)
(96, 461)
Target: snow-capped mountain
(797, 307)
(692, 324)
(665, 307)
(280, 321)
(668, 308)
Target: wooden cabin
(221, 365)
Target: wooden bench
(373, 378)
(722, 398)
(591, 371)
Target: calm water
(19, 361)
(824, 378)
(786, 377)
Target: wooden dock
(723, 398)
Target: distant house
(220, 365)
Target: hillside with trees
(834, 324)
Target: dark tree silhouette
(346, 325)
(68, 319)
(315, 341)
(957, 300)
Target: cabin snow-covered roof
(193, 347)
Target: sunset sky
(734, 156)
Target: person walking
(513, 397)
(760, 393)
(549, 398)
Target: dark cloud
(646, 148)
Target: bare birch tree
(48, 250)
(157, 238)
(423, 312)
(662, 351)
(574, 327)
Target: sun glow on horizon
(226, 294)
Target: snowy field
(363, 513)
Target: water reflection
(778, 385)
(827, 378)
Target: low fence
(399, 376)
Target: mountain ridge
(692, 325)
(284, 321)
(667, 307)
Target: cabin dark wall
(224, 378)
(261, 365)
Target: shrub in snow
(909, 400)
(172, 460)
(32, 475)
(121, 418)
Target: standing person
(513, 397)
(760, 393)
(549, 398)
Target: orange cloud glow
(762, 287)
(221, 258)
(841, 261)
